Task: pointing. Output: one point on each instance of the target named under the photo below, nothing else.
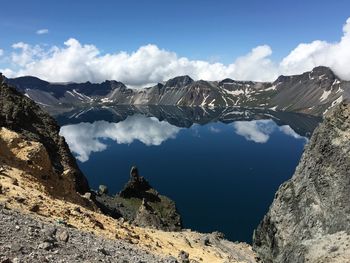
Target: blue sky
(214, 31)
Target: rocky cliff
(309, 219)
(20, 114)
(141, 204)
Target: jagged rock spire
(137, 187)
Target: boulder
(102, 189)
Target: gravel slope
(25, 239)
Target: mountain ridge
(313, 92)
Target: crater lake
(221, 166)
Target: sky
(144, 42)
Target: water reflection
(85, 138)
(187, 116)
(259, 131)
(87, 130)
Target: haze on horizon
(142, 43)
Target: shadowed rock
(141, 205)
(138, 187)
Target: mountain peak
(27, 81)
(322, 71)
(179, 81)
(226, 81)
(114, 84)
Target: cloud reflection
(85, 138)
(259, 131)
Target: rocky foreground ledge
(27, 239)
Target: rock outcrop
(141, 204)
(309, 219)
(20, 114)
(146, 217)
(138, 187)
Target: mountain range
(313, 92)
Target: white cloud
(27, 54)
(259, 131)
(256, 65)
(42, 31)
(85, 138)
(1, 52)
(308, 55)
(150, 64)
(214, 129)
(287, 130)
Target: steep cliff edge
(309, 219)
(21, 114)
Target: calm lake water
(221, 167)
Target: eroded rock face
(20, 114)
(313, 207)
(25, 153)
(146, 217)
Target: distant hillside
(312, 92)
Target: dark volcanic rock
(138, 187)
(308, 220)
(22, 115)
(180, 81)
(142, 205)
(108, 205)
